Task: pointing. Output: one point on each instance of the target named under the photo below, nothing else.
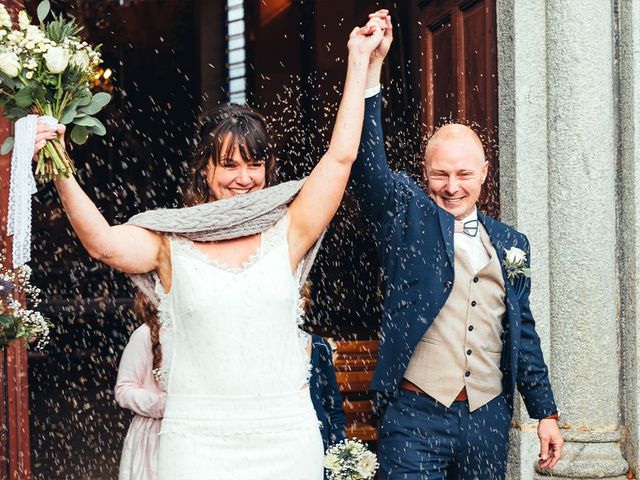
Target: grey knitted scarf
(222, 220)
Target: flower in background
(18, 322)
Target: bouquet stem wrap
(22, 185)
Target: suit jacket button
(448, 284)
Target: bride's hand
(46, 132)
(364, 40)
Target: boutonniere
(515, 264)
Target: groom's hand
(383, 18)
(551, 442)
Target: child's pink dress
(137, 390)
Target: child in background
(140, 387)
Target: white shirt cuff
(370, 92)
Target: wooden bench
(355, 362)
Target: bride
(225, 274)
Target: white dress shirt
(472, 246)
(370, 92)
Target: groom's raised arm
(371, 178)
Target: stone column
(582, 196)
(524, 183)
(629, 225)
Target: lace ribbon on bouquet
(22, 185)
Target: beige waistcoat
(462, 347)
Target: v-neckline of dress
(253, 259)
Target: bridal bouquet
(16, 321)
(350, 460)
(46, 70)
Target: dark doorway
(152, 50)
(459, 76)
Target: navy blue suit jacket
(414, 240)
(325, 393)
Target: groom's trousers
(422, 439)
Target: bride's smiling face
(235, 173)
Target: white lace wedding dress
(237, 406)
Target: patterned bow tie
(469, 227)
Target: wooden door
(459, 75)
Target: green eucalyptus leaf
(43, 10)
(24, 97)
(84, 100)
(99, 129)
(6, 146)
(79, 135)
(68, 116)
(90, 109)
(101, 98)
(86, 121)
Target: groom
(458, 334)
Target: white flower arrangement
(16, 321)
(46, 69)
(350, 460)
(515, 264)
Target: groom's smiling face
(455, 169)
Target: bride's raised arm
(126, 248)
(319, 199)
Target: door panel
(459, 76)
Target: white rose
(515, 255)
(331, 461)
(367, 465)
(23, 20)
(57, 59)
(9, 64)
(80, 59)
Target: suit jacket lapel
(497, 234)
(447, 225)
